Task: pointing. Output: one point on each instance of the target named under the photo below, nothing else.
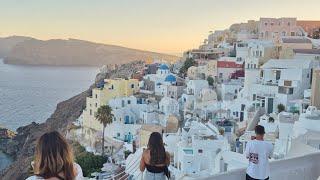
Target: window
(292, 33)
(112, 86)
(271, 24)
(284, 33)
(96, 104)
(242, 107)
(278, 74)
(288, 23)
(96, 96)
(254, 97)
(132, 86)
(90, 112)
(287, 83)
(285, 90)
(200, 151)
(290, 91)
(129, 102)
(266, 24)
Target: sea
(31, 93)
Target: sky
(168, 26)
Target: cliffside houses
(264, 72)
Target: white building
(193, 92)
(259, 52)
(194, 87)
(195, 152)
(308, 127)
(230, 90)
(169, 106)
(117, 103)
(281, 81)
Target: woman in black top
(155, 159)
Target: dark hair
(53, 156)
(259, 130)
(156, 147)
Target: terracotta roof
(228, 64)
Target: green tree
(104, 116)
(210, 80)
(90, 163)
(188, 63)
(281, 108)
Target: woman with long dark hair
(155, 159)
(54, 159)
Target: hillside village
(207, 104)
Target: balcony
(298, 168)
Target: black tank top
(156, 169)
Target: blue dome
(170, 78)
(163, 67)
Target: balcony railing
(298, 168)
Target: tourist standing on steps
(258, 152)
(54, 159)
(155, 159)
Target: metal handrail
(129, 171)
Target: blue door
(126, 120)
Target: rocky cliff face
(22, 146)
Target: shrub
(89, 162)
(210, 80)
(281, 108)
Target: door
(270, 105)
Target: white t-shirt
(76, 166)
(258, 152)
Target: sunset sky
(169, 26)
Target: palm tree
(104, 116)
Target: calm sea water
(31, 93)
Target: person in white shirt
(54, 159)
(258, 152)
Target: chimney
(222, 165)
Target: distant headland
(70, 52)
